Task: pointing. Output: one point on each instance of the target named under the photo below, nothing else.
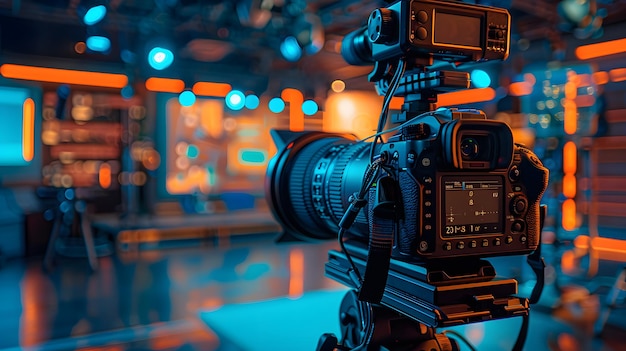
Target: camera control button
(518, 226)
(485, 242)
(422, 17)
(473, 244)
(519, 205)
(509, 239)
(428, 180)
(523, 238)
(426, 162)
(514, 174)
(447, 246)
(460, 245)
(421, 33)
(497, 242)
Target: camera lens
(310, 180)
(469, 148)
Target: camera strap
(381, 226)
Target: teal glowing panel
(252, 156)
(12, 122)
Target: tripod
(391, 330)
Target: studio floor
(249, 294)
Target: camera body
(465, 189)
(447, 31)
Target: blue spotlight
(235, 100)
(94, 15)
(277, 105)
(290, 48)
(309, 107)
(127, 92)
(480, 78)
(160, 58)
(187, 98)
(252, 102)
(98, 43)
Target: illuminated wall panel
(17, 113)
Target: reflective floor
(251, 294)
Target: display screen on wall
(209, 149)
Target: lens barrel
(310, 180)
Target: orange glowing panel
(617, 74)
(520, 88)
(568, 212)
(28, 130)
(165, 85)
(354, 112)
(66, 76)
(296, 273)
(606, 48)
(569, 186)
(211, 89)
(396, 103)
(104, 175)
(569, 158)
(466, 97)
(570, 118)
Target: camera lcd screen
(457, 30)
(472, 205)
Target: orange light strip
(568, 211)
(569, 157)
(520, 88)
(569, 185)
(296, 116)
(165, 85)
(570, 122)
(28, 130)
(296, 273)
(618, 74)
(466, 96)
(211, 89)
(612, 47)
(600, 78)
(606, 248)
(104, 175)
(65, 76)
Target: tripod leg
(50, 250)
(85, 227)
(619, 286)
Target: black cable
(393, 86)
(523, 333)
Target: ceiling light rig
(582, 17)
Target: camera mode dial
(381, 26)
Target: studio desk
(149, 232)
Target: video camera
(416, 214)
